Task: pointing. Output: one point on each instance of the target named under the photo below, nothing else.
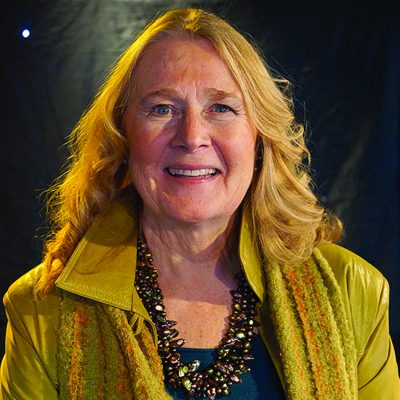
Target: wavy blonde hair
(285, 213)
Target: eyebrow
(218, 95)
(211, 93)
(167, 93)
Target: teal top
(261, 383)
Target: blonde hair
(286, 216)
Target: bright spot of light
(26, 33)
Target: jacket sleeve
(366, 297)
(377, 368)
(24, 374)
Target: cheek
(139, 155)
(145, 149)
(241, 153)
(142, 169)
(140, 163)
(146, 153)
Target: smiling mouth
(191, 172)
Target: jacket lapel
(102, 267)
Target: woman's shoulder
(23, 305)
(352, 272)
(32, 330)
(23, 289)
(365, 291)
(25, 284)
(365, 294)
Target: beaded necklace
(235, 347)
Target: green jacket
(28, 370)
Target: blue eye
(161, 109)
(222, 108)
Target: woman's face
(191, 146)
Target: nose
(192, 133)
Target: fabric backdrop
(342, 58)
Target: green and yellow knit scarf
(105, 353)
(313, 331)
(104, 356)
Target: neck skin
(192, 252)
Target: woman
(185, 228)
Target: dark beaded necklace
(235, 347)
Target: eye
(161, 109)
(222, 108)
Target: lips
(203, 172)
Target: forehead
(174, 62)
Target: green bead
(223, 352)
(241, 335)
(183, 371)
(194, 365)
(187, 384)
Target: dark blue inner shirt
(261, 383)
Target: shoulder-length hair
(286, 216)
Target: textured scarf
(315, 339)
(106, 353)
(103, 355)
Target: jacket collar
(102, 267)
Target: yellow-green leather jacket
(28, 370)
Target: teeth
(192, 172)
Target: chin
(193, 217)
(198, 215)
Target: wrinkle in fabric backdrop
(342, 58)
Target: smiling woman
(185, 119)
(190, 257)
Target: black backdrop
(343, 60)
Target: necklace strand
(235, 347)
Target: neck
(187, 249)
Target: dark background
(343, 60)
